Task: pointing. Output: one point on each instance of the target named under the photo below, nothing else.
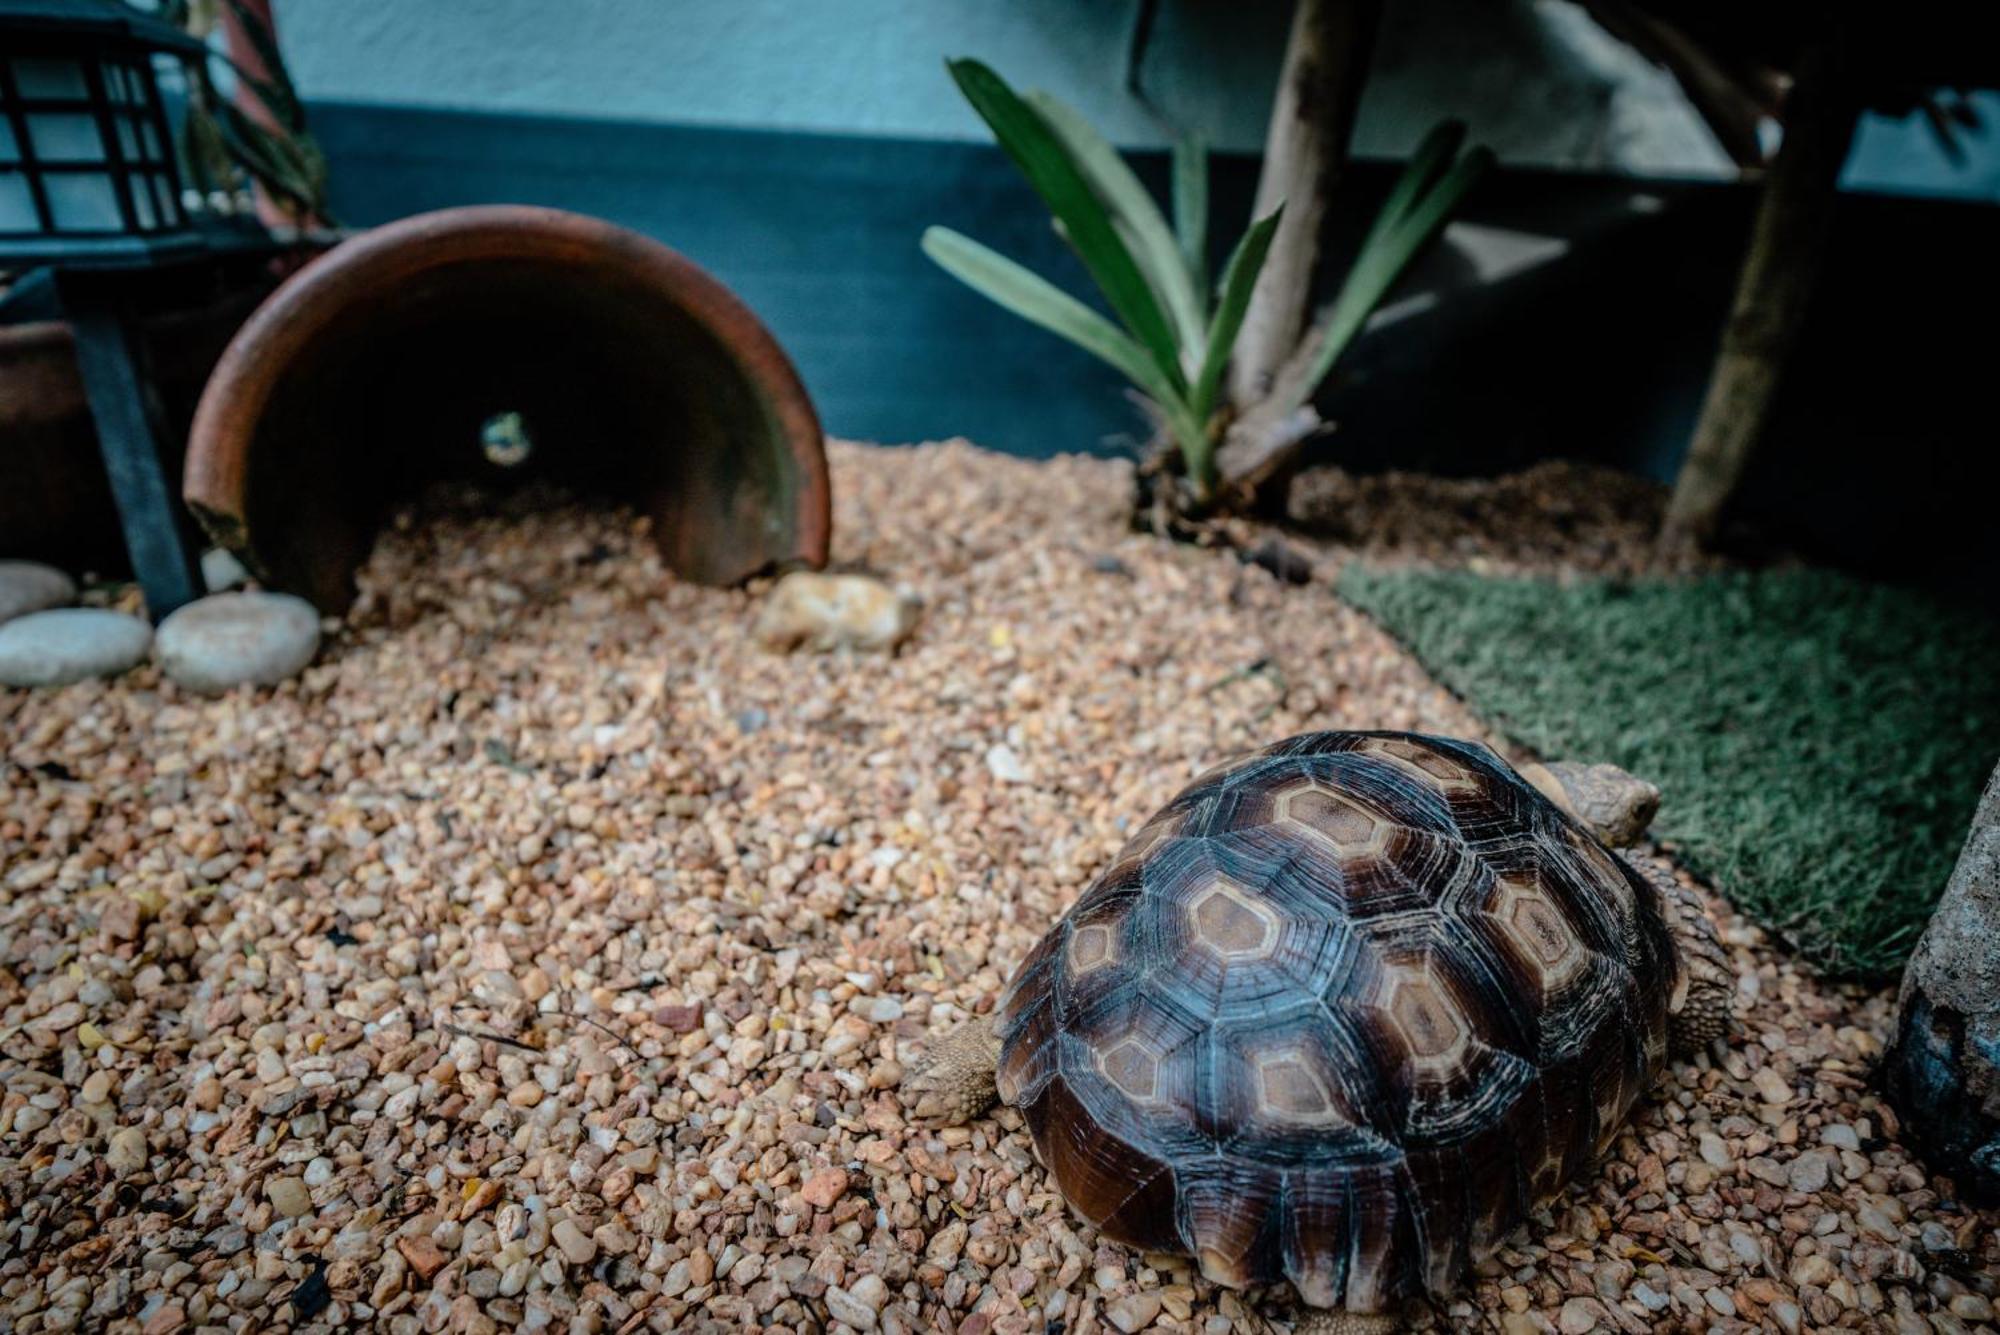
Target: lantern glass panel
(17, 204)
(83, 202)
(65, 136)
(88, 162)
(41, 77)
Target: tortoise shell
(1343, 1012)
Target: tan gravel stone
(1133, 1311)
(574, 1242)
(127, 1150)
(824, 1187)
(288, 1196)
(423, 1255)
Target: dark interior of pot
(506, 372)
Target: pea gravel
(547, 956)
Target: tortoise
(1344, 1011)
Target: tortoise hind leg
(954, 1083)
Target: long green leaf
(1387, 253)
(1038, 301)
(286, 113)
(1433, 156)
(276, 90)
(1233, 300)
(289, 168)
(1140, 221)
(1191, 208)
(1052, 171)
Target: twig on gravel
(459, 1031)
(623, 1041)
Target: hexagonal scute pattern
(1341, 1013)
(1229, 920)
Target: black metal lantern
(88, 166)
(96, 232)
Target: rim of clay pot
(704, 534)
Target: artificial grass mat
(1820, 742)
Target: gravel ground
(1556, 516)
(547, 956)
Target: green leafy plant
(1173, 335)
(223, 139)
(1423, 199)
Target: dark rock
(1282, 560)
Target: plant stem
(1312, 119)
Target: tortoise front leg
(1704, 981)
(954, 1082)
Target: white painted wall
(1536, 79)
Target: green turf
(1821, 742)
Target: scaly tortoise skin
(1342, 1013)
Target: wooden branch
(1729, 106)
(1312, 120)
(1786, 243)
(1262, 451)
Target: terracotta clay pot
(373, 371)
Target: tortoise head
(1613, 805)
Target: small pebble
(1133, 1311)
(288, 1196)
(70, 644)
(1810, 1171)
(844, 1306)
(1771, 1087)
(574, 1242)
(1578, 1316)
(824, 1187)
(423, 1255)
(881, 1010)
(238, 639)
(221, 571)
(127, 1151)
(1004, 765)
(30, 586)
(827, 612)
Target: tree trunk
(1312, 119)
(1786, 243)
(1942, 1073)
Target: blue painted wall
(1536, 79)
